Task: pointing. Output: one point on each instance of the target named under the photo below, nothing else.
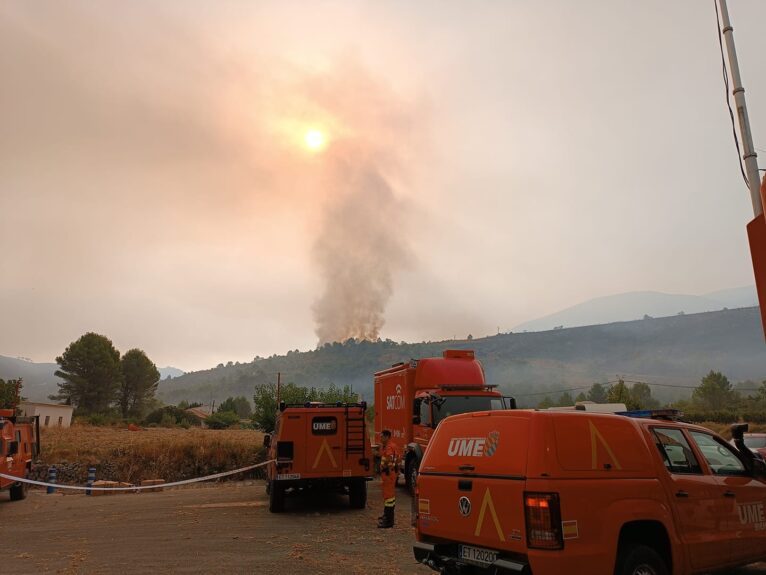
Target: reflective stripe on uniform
(389, 502)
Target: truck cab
(411, 399)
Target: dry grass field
(122, 455)
(723, 428)
(170, 454)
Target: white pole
(748, 150)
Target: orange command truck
(545, 493)
(412, 398)
(19, 443)
(319, 446)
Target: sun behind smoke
(315, 140)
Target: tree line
(714, 399)
(267, 403)
(636, 396)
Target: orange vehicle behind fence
(544, 493)
(319, 446)
(19, 444)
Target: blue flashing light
(653, 413)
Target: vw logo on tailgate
(464, 505)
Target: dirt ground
(220, 528)
(223, 528)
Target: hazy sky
(522, 156)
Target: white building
(51, 414)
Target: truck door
(743, 498)
(325, 455)
(697, 501)
(424, 429)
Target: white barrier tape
(138, 487)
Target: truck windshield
(455, 404)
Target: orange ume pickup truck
(545, 492)
(319, 446)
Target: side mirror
(267, 440)
(509, 402)
(738, 431)
(13, 447)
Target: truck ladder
(356, 428)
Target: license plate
(477, 555)
(285, 476)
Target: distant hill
(39, 381)
(170, 372)
(676, 350)
(635, 305)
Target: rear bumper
(443, 558)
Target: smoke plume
(360, 247)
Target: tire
(357, 494)
(640, 560)
(276, 497)
(19, 490)
(411, 474)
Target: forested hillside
(676, 350)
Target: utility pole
(756, 229)
(748, 149)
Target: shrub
(222, 420)
(102, 419)
(168, 420)
(170, 416)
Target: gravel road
(223, 528)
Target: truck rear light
(543, 516)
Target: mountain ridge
(636, 304)
(672, 351)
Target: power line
(631, 381)
(552, 392)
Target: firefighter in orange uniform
(389, 470)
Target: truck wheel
(357, 494)
(19, 490)
(276, 497)
(640, 560)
